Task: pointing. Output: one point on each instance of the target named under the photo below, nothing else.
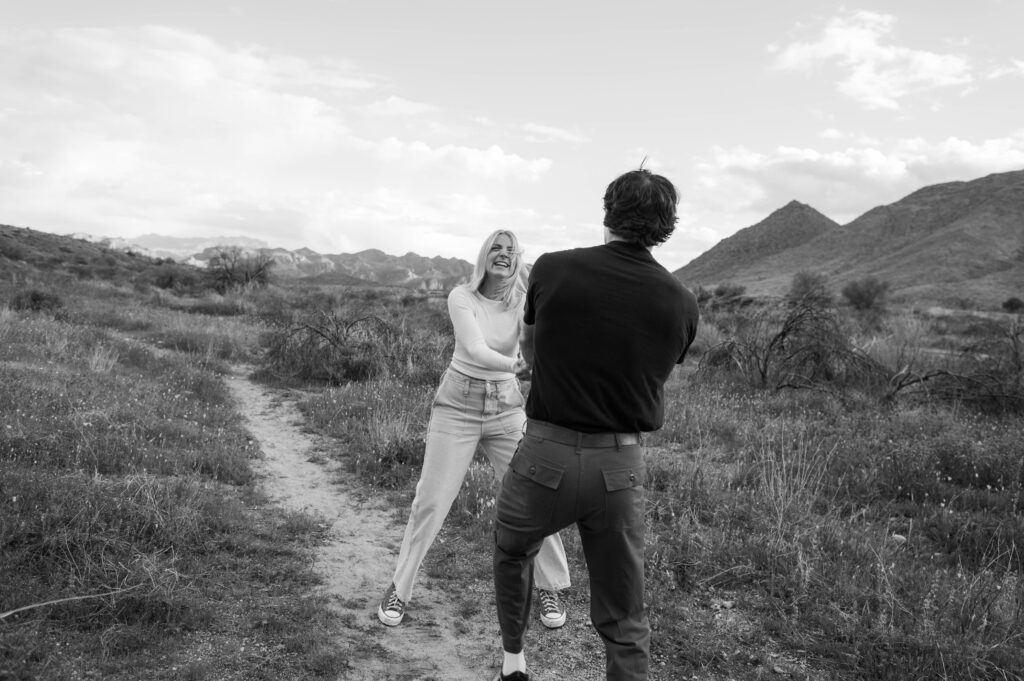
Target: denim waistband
(459, 377)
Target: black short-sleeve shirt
(609, 324)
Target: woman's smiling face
(501, 257)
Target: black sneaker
(391, 609)
(552, 612)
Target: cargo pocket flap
(623, 478)
(542, 474)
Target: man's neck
(610, 236)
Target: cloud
(492, 162)
(547, 133)
(846, 182)
(1016, 68)
(118, 131)
(875, 72)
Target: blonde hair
(515, 284)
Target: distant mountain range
(364, 268)
(946, 243)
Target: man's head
(640, 207)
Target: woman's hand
(521, 369)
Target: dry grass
(133, 543)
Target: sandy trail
(356, 563)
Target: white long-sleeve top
(486, 335)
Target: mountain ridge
(949, 242)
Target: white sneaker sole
(553, 622)
(388, 619)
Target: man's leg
(550, 567)
(613, 543)
(527, 512)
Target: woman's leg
(445, 462)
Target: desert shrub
(170, 275)
(328, 347)
(1013, 304)
(728, 291)
(987, 376)
(36, 300)
(866, 294)
(796, 345)
(810, 287)
(364, 338)
(703, 295)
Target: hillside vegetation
(836, 494)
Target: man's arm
(526, 342)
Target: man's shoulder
(561, 257)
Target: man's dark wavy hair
(640, 207)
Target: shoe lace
(549, 601)
(393, 602)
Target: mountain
(947, 243)
(739, 255)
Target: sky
(422, 126)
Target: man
(603, 328)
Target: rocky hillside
(948, 243)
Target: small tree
(233, 268)
(866, 294)
(810, 287)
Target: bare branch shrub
(795, 345)
(363, 338)
(233, 268)
(988, 375)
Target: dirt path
(434, 643)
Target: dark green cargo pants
(559, 477)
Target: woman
(478, 402)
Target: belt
(568, 436)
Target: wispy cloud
(1015, 68)
(875, 71)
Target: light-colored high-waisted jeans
(466, 412)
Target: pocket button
(533, 469)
